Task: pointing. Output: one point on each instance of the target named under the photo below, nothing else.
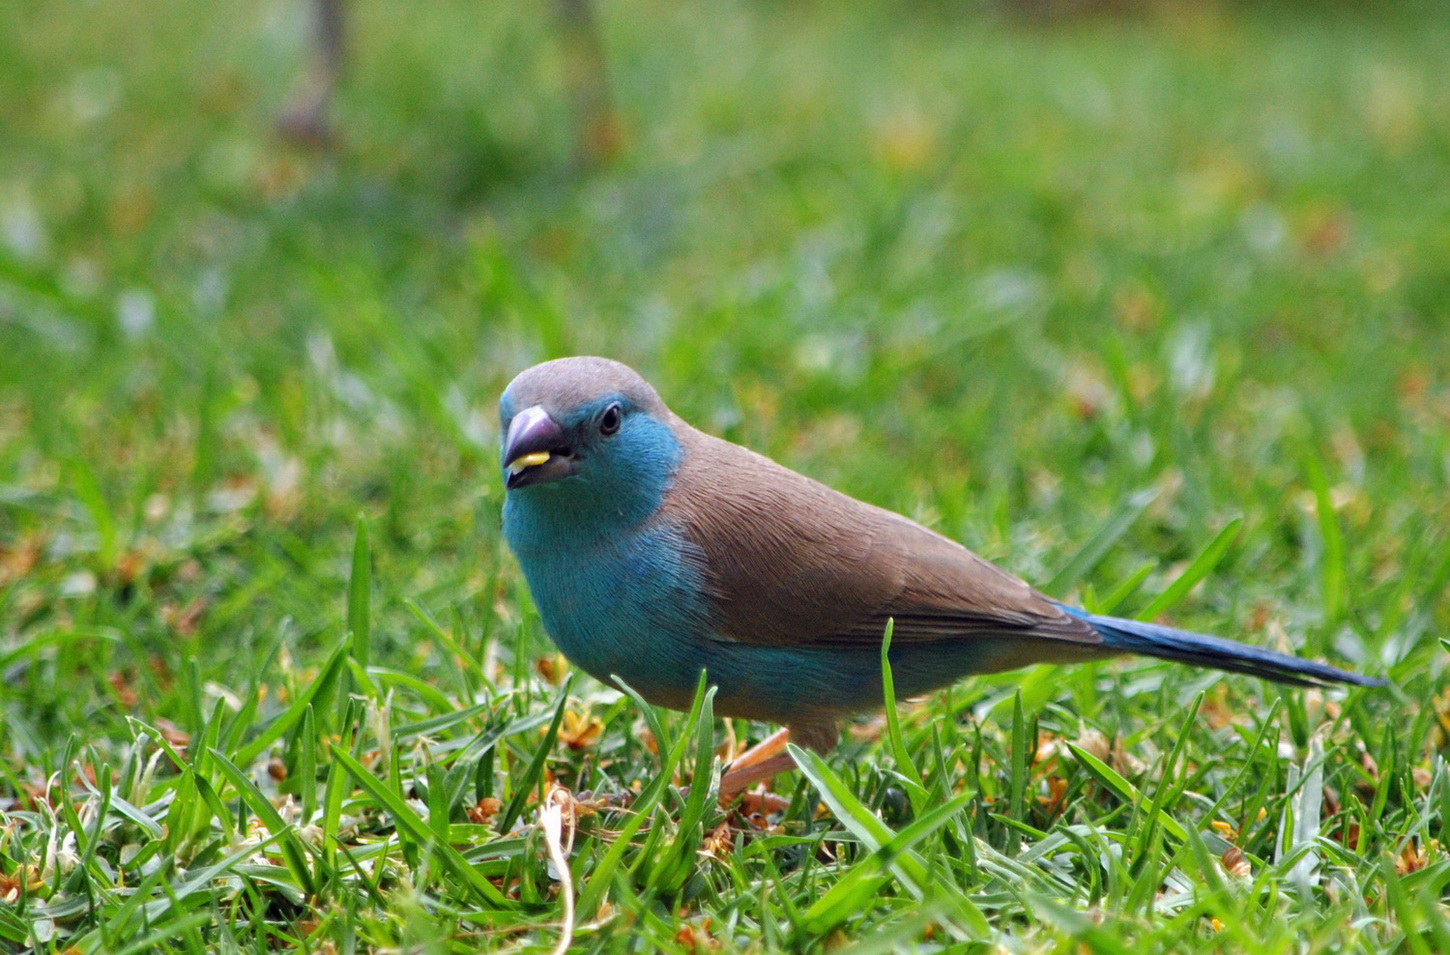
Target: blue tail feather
(1184, 646)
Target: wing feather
(790, 560)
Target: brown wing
(792, 561)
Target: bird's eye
(609, 421)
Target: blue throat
(619, 593)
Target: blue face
(618, 592)
(594, 468)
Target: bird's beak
(534, 450)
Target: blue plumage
(1200, 649)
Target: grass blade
(1200, 568)
(294, 853)
(318, 689)
(910, 776)
(1087, 557)
(908, 867)
(1124, 790)
(535, 771)
(359, 595)
(649, 797)
(415, 828)
(1332, 575)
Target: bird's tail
(1184, 646)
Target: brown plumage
(823, 569)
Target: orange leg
(757, 764)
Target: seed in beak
(526, 461)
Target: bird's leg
(736, 781)
(758, 763)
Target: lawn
(1151, 308)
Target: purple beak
(532, 434)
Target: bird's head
(587, 432)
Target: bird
(654, 551)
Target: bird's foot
(591, 802)
(762, 804)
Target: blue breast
(632, 606)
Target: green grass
(1153, 311)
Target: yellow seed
(527, 461)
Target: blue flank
(1183, 646)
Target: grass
(1150, 310)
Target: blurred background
(1000, 267)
